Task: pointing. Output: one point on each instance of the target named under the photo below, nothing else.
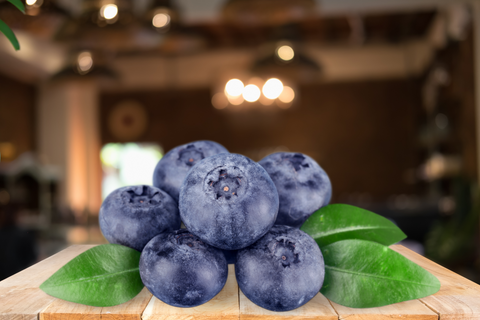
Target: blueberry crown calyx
(284, 250)
(184, 238)
(226, 183)
(141, 196)
(190, 155)
(298, 161)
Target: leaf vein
(93, 278)
(347, 229)
(378, 276)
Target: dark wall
(362, 134)
(17, 109)
(457, 101)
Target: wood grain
(20, 296)
(63, 310)
(458, 298)
(130, 310)
(223, 306)
(317, 308)
(412, 309)
(23, 304)
(21, 299)
(35, 275)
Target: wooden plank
(130, 310)
(458, 298)
(23, 304)
(223, 306)
(63, 310)
(35, 275)
(317, 308)
(20, 296)
(412, 309)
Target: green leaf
(9, 34)
(103, 276)
(365, 274)
(18, 4)
(337, 222)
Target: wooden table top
(21, 298)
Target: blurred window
(126, 164)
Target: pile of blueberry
(234, 211)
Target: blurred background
(383, 94)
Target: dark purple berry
(181, 270)
(228, 201)
(132, 216)
(173, 167)
(282, 271)
(303, 186)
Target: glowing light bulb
(251, 93)
(287, 95)
(30, 2)
(272, 88)
(234, 88)
(161, 20)
(109, 11)
(84, 62)
(285, 53)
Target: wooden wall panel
(362, 133)
(17, 111)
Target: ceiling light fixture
(251, 93)
(109, 11)
(161, 20)
(84, 62)
(234, 87)
(272, 88)
(285, 52)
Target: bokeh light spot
(234, 87)
(219, 101)
(287, 95)
(251, 93)
(285, 53)
(109, 11)
(272, 88)
(161, 20)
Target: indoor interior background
(385, 101)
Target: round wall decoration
(128, 120)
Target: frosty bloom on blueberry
(132, 216)
(181, 270)
(303, 186)
(282, 271)
(228, 201)
(173, 167)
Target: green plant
(452, 241)
(6, 29)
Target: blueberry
(228, 201)
(132, 216)
(282, 271)
(181, 270)
(303, 186)
(173, 167)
